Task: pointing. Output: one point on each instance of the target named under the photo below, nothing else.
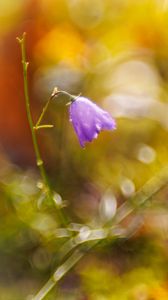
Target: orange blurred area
(64, 43)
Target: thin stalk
(44, 126)
(45, 109)
(39, 160)
(72, 97)
(55, 93)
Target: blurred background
(114, 52)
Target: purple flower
(88, 119)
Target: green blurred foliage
(116, 53)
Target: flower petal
(88, 119)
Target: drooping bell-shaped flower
(88, 119)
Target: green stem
(39, 161)
(55, 93)
(43, 126)
(66, 94)
(43, 111)
(72, 97)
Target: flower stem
(72, 97)
(39, 160)
(44, 126)
(45, 108)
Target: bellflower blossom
(88, 119)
